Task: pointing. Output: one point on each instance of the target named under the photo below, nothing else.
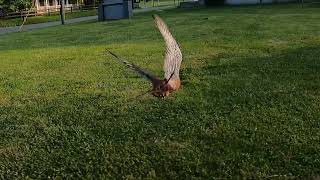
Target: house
(45, 6)
(240, 2)
(193, 3)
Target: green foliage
(15, 5)
(248, 107)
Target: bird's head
(161, 89)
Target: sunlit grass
(248, 107)
(45, 18)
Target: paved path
(69, 21)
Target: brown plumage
(172, 62)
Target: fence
(48, 12)
(310, 2)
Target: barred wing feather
(173, 56)
(136, 68)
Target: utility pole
(62, 12)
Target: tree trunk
(62, 12)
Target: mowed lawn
(45, 18)
(249, 105)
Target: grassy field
(43, 19)
(249, 105)
(156, 3)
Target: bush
(14, 5)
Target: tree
(22, 4)
(15, 5)
(62, 13)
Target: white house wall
(283, 1)
(240, 2)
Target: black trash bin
(115, 9)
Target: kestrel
(172, 61)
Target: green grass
(157, 3)
(43, 19)
(249, 105)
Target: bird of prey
(172, 61)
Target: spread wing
(136, 68)
(173, 55)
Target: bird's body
(172, 62)
(162, 88)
